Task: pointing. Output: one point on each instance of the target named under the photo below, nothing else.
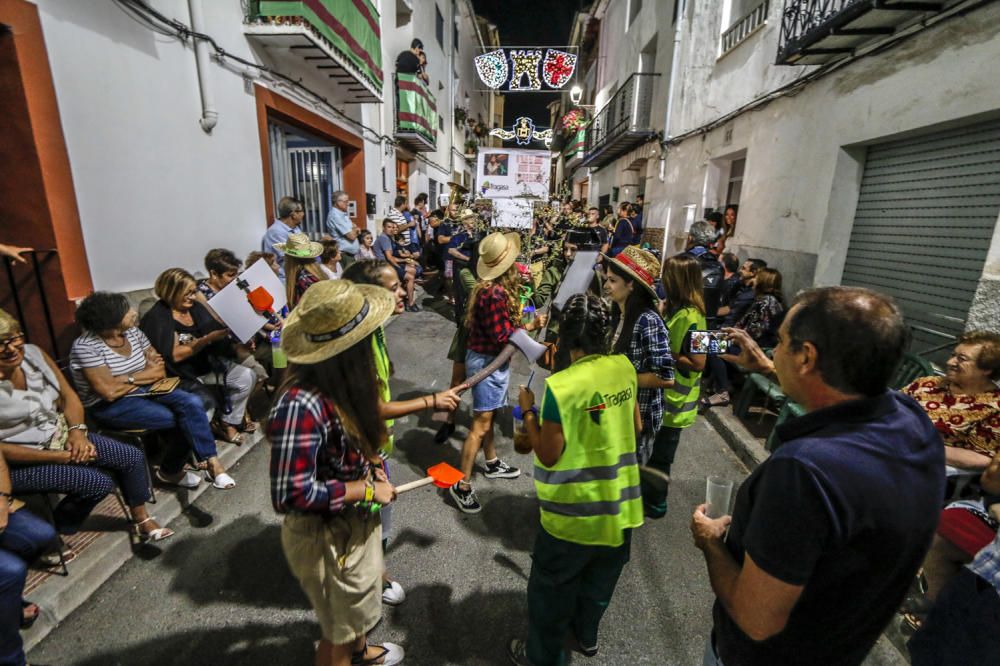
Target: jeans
(654, 500)
(177, 409)
(26, 535)
(570, 587)
(718, 372)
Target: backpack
(713, 277)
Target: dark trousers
(25, 537)
(718, 372)
(570, 587)
(961, 628)
(175, 410)
(654, 500)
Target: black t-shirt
(444, 229)
(846, 507)
(739, 302)
(407, 62)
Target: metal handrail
(800, 17)
(740, 30)
(37, 272)
(628, 109)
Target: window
(439, 26)
(634, 7)
(454, 30)
(735, 185)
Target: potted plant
(460, 115)
(471, 146)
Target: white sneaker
(393, 593)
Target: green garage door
(925, 217)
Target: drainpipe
(209, 115)
(675, 67)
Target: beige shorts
(338, 563)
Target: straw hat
(332, 316)
(641, 265)
(300, 247)
(468, 212)
(497, 253)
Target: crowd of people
(835, 524)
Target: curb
(752, 453)
(59, 596)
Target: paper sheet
(233, 308)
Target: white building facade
(861, 145)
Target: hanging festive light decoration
(523, 132)
(492, 68)
(558, 68)
(525, 64)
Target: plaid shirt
(987, 564)
(311, 456)
(303, 281)
(649, 351)
(491, 325)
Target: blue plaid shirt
(987, 564)
(649, 351)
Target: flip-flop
(220, 433)
(190, 480)
(222, 481)
(28, 620)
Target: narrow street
(220, 592)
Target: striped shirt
(90, 351)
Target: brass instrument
(457, 193)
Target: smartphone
(712, 342)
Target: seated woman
(194, 347)
(329, 261)
(23, 536)
(301, 268)
(113, 366)
(223, 266)
(45, 441)
(764, 317)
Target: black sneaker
(498, 469)
(466, 500)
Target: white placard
(234, 309)
(502, 173)
(577, 279)
(512, 213)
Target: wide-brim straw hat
(497, 253)
(641, 265)
(334, 315)
(300, 247)
(468, 212)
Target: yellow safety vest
(591, 495)
(680, 405)
(383, 369)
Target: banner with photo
(502, 173)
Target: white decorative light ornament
(492, 68)
(524, 132)
(525, 64)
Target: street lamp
(576, 94)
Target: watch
(82, 427)
(130, 379)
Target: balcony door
(307, 168)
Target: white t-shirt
(30, 417)
(90, 351)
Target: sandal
(219, 430)
(390, 654)
(189, 480)
(248, 426)
(909, 624)
(26, 619)
(720, 399)
(159, 534)
(222, 481)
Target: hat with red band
(641, 265)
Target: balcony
(815, 32)
(416, 114)
(574, 147)
(623, 123)
(747, 25)
(339, 38)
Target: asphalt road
(219, 592)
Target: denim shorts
(491, 393)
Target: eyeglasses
(298, 210)
(12, 341)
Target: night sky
(530, 23)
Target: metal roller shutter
(925, 217)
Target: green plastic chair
(757, 383)
(789, 410)
(911, 368)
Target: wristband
(369, 491)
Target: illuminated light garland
(525, 63)
(523, 132)
(558, 68)
(492, 68)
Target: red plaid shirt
(491, 324)
(311, 456)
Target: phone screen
(711, 342)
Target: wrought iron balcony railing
(814, 32)
(623, 123)
(744, 27)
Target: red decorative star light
(557, 70)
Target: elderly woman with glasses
(194, 347)
(46, 443)
(114, 367)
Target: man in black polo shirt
(828, 533)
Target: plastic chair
(911, 368)
(137, 437)
(757, 383)
(789, 410)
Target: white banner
(502, 173)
